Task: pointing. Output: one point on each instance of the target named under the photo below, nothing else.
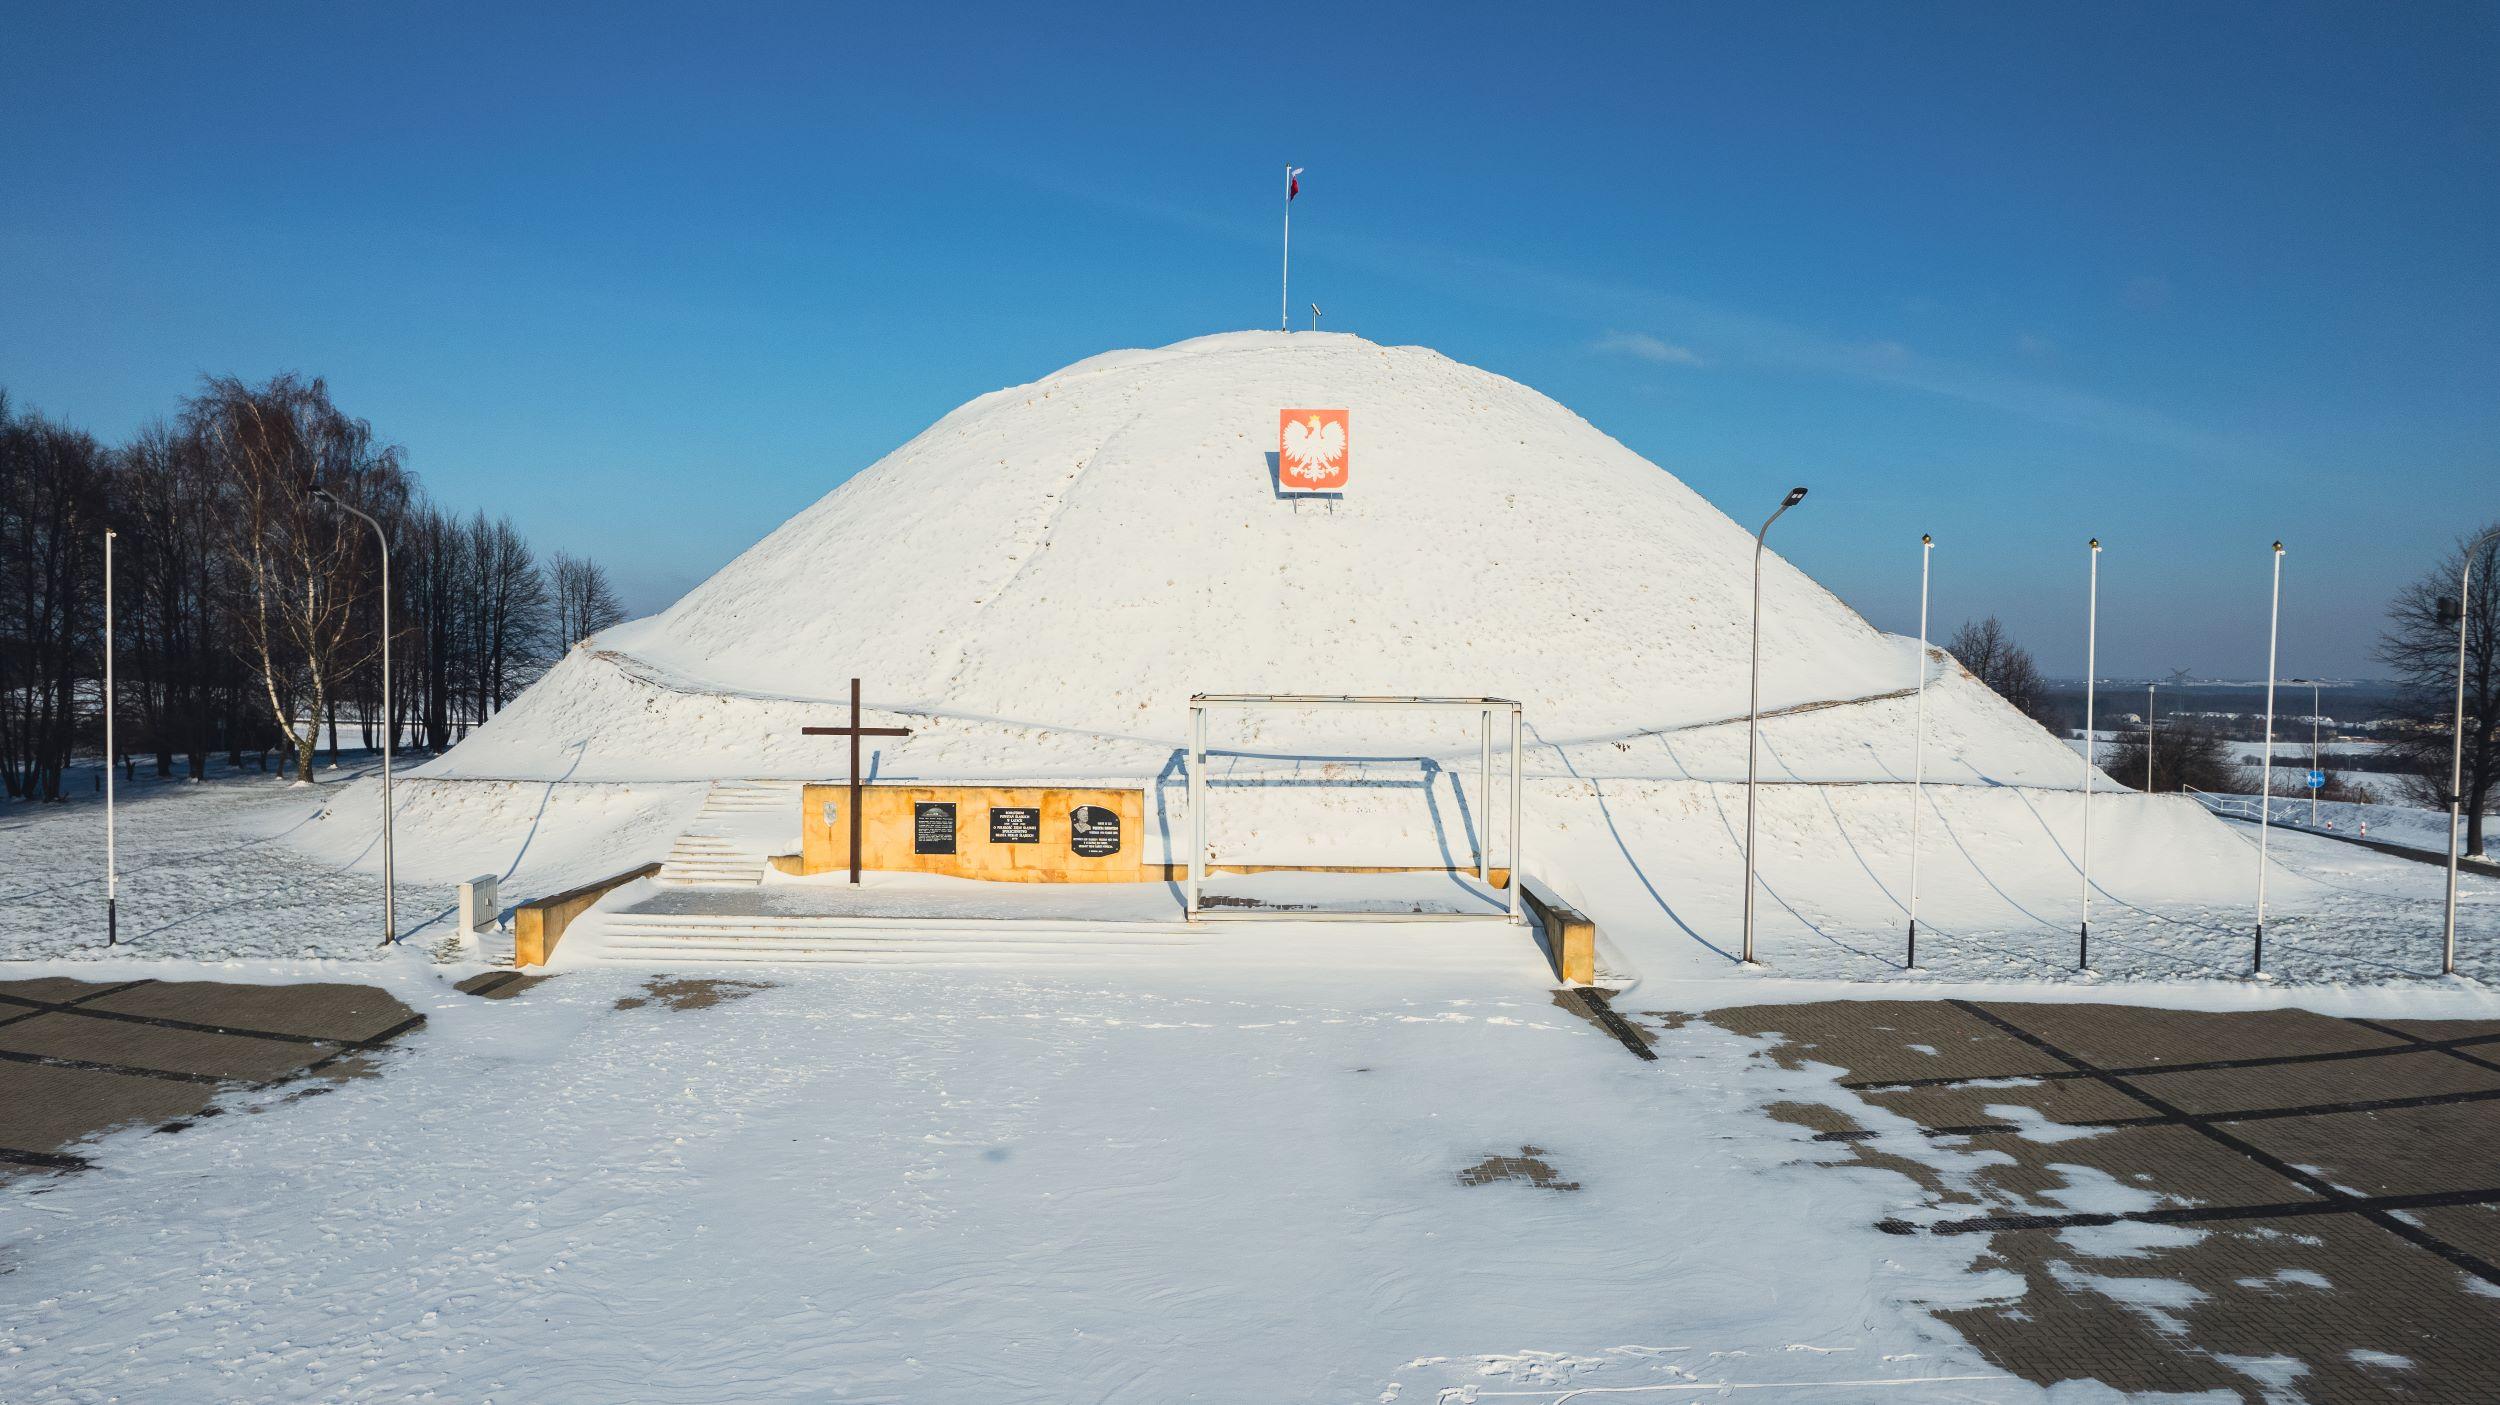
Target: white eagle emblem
(1314, 449)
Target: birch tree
(302, 569)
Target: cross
(855, 732)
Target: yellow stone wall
(887, 840)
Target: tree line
(247, 599)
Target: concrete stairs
(741, 825)
(647, 938)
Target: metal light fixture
(2456, 752)
(1753, 708)
(2091, 670)
(1918, 743)
(390, 720)
(2265, 787)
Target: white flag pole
(112, 866)
(1284, 292)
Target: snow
(1231, 1171)
(244, 866)
(938, 1186)
(2406, 826)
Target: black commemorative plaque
(933, 827)
(1015, 824)
(1093, 832)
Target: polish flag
(1293, 183)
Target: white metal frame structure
(1201, 703)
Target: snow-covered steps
(647, 938)
(741, 825)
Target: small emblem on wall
(1015, 824)
(1093, 832)
(933, 827)
(1314, 451)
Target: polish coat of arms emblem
(1313, 451)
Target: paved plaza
(78, 1058)
(2192, 1201)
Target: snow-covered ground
(899, 1186)
(246, 865)
(1175, 1175)
(2406, 826)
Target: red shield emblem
(1314, 453)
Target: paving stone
(2368, 1314)
(2306, 1085)
(50, 990)
(2317, 1289)
(2450, 1029)
(2473, 1228)
(45, 1109)
(1967, 1105)
(2404, 1152)
(72, 1036)
(2128, 1036)
(346, 1012)
(1889, 1039)
(2179, 1165)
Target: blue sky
(653, 278)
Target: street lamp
(2148, 738)
(2456, 756)
(390, 721)
(2265, 787)
(1753, 709)
(2315, 772)
(1918, 744)
(2091, 673)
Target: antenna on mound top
(1315, 317)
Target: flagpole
(112, 864)
(1284, 292)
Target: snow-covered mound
(1053, 569)
(1037, 584)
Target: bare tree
(510, 613)
(2420, 643)
(1990, 653)
(2186, 754)
(585, 602)
(52, 519)
(301, 569)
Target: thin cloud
(1644, 347)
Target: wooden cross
(855, 732)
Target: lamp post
(2148, 738)
(1753, 709)
(112, 868)
(2091, 671)
(2316, 772)
(1918, 744)
(2265, 788)
(390, 720)
(2456, 756)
